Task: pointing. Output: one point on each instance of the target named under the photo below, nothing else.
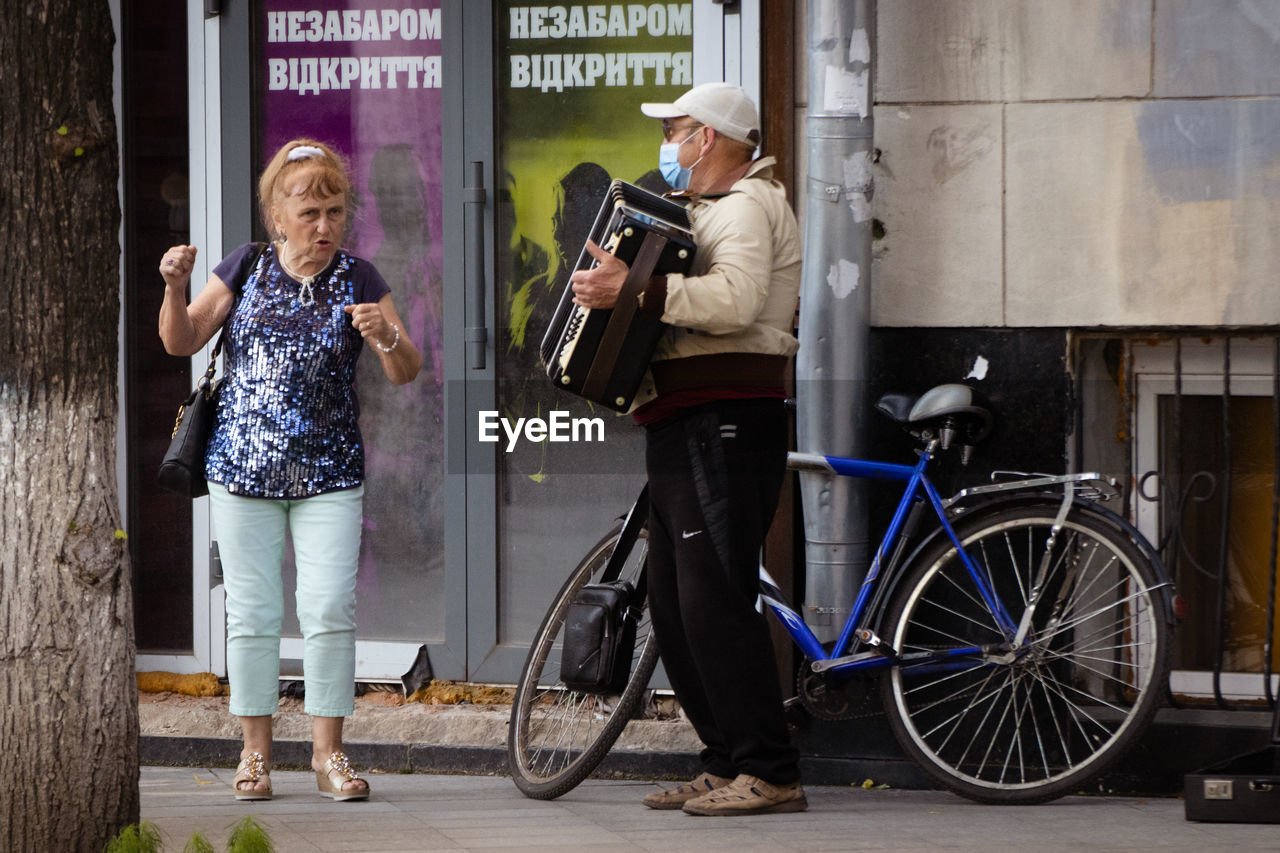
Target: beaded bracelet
(394, 343)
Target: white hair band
(303, 152)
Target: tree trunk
(68, 703)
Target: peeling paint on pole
(835, 304)
(860, 47)
(843, 278)
(858, 182)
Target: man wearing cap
(716, 441)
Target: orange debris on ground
(193, 684)
(452, 693)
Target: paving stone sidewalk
(423, 812)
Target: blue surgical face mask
(669, 163)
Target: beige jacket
(744, 284)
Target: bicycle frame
(844, 656)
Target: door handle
(473, 197)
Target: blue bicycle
(1020, 647)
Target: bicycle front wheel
(1028, 723)
(557, 736)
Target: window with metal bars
(1204, 418)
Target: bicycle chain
(827, 699)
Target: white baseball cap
(724, 107)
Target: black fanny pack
(599, 638)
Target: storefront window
(570, 81)
(364, 76)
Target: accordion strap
(615, 332)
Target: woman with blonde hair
(285, 451)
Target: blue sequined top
(286, 424)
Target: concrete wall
(1076, 163)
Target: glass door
(483, 137)
(568, 84)
(366, 77)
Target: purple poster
(364, 76)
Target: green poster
(571, 80)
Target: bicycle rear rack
(1091, 486)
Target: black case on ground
(1243, 789)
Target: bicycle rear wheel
(557, 736)
(1035, 723)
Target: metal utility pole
(835, 304)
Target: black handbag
(182, 470)
(599, 638)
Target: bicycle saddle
(955, 410)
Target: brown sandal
(252, 768)
(332, 788)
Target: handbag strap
(212, 369)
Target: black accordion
(601, 354)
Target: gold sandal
(252, 768)
(339, 764)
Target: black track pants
(714, 476)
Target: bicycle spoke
(1028, 714)
(1051, 709)
(1090, 648)
(976, 600)
(1076, 600)
(1016, 735)
(908, 671)
(1080, 619)
(1007, 539)
(955, 695)
(1073, 655)
(1004, 713)
(1105, 639)
(942, 633)
(1127, 656)
(1102, 674)
(1063, 689)
(1103, 634)
(977, 699)
(1050, 685)
(1033, 565)
(1063, 742)
(1010, 706)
